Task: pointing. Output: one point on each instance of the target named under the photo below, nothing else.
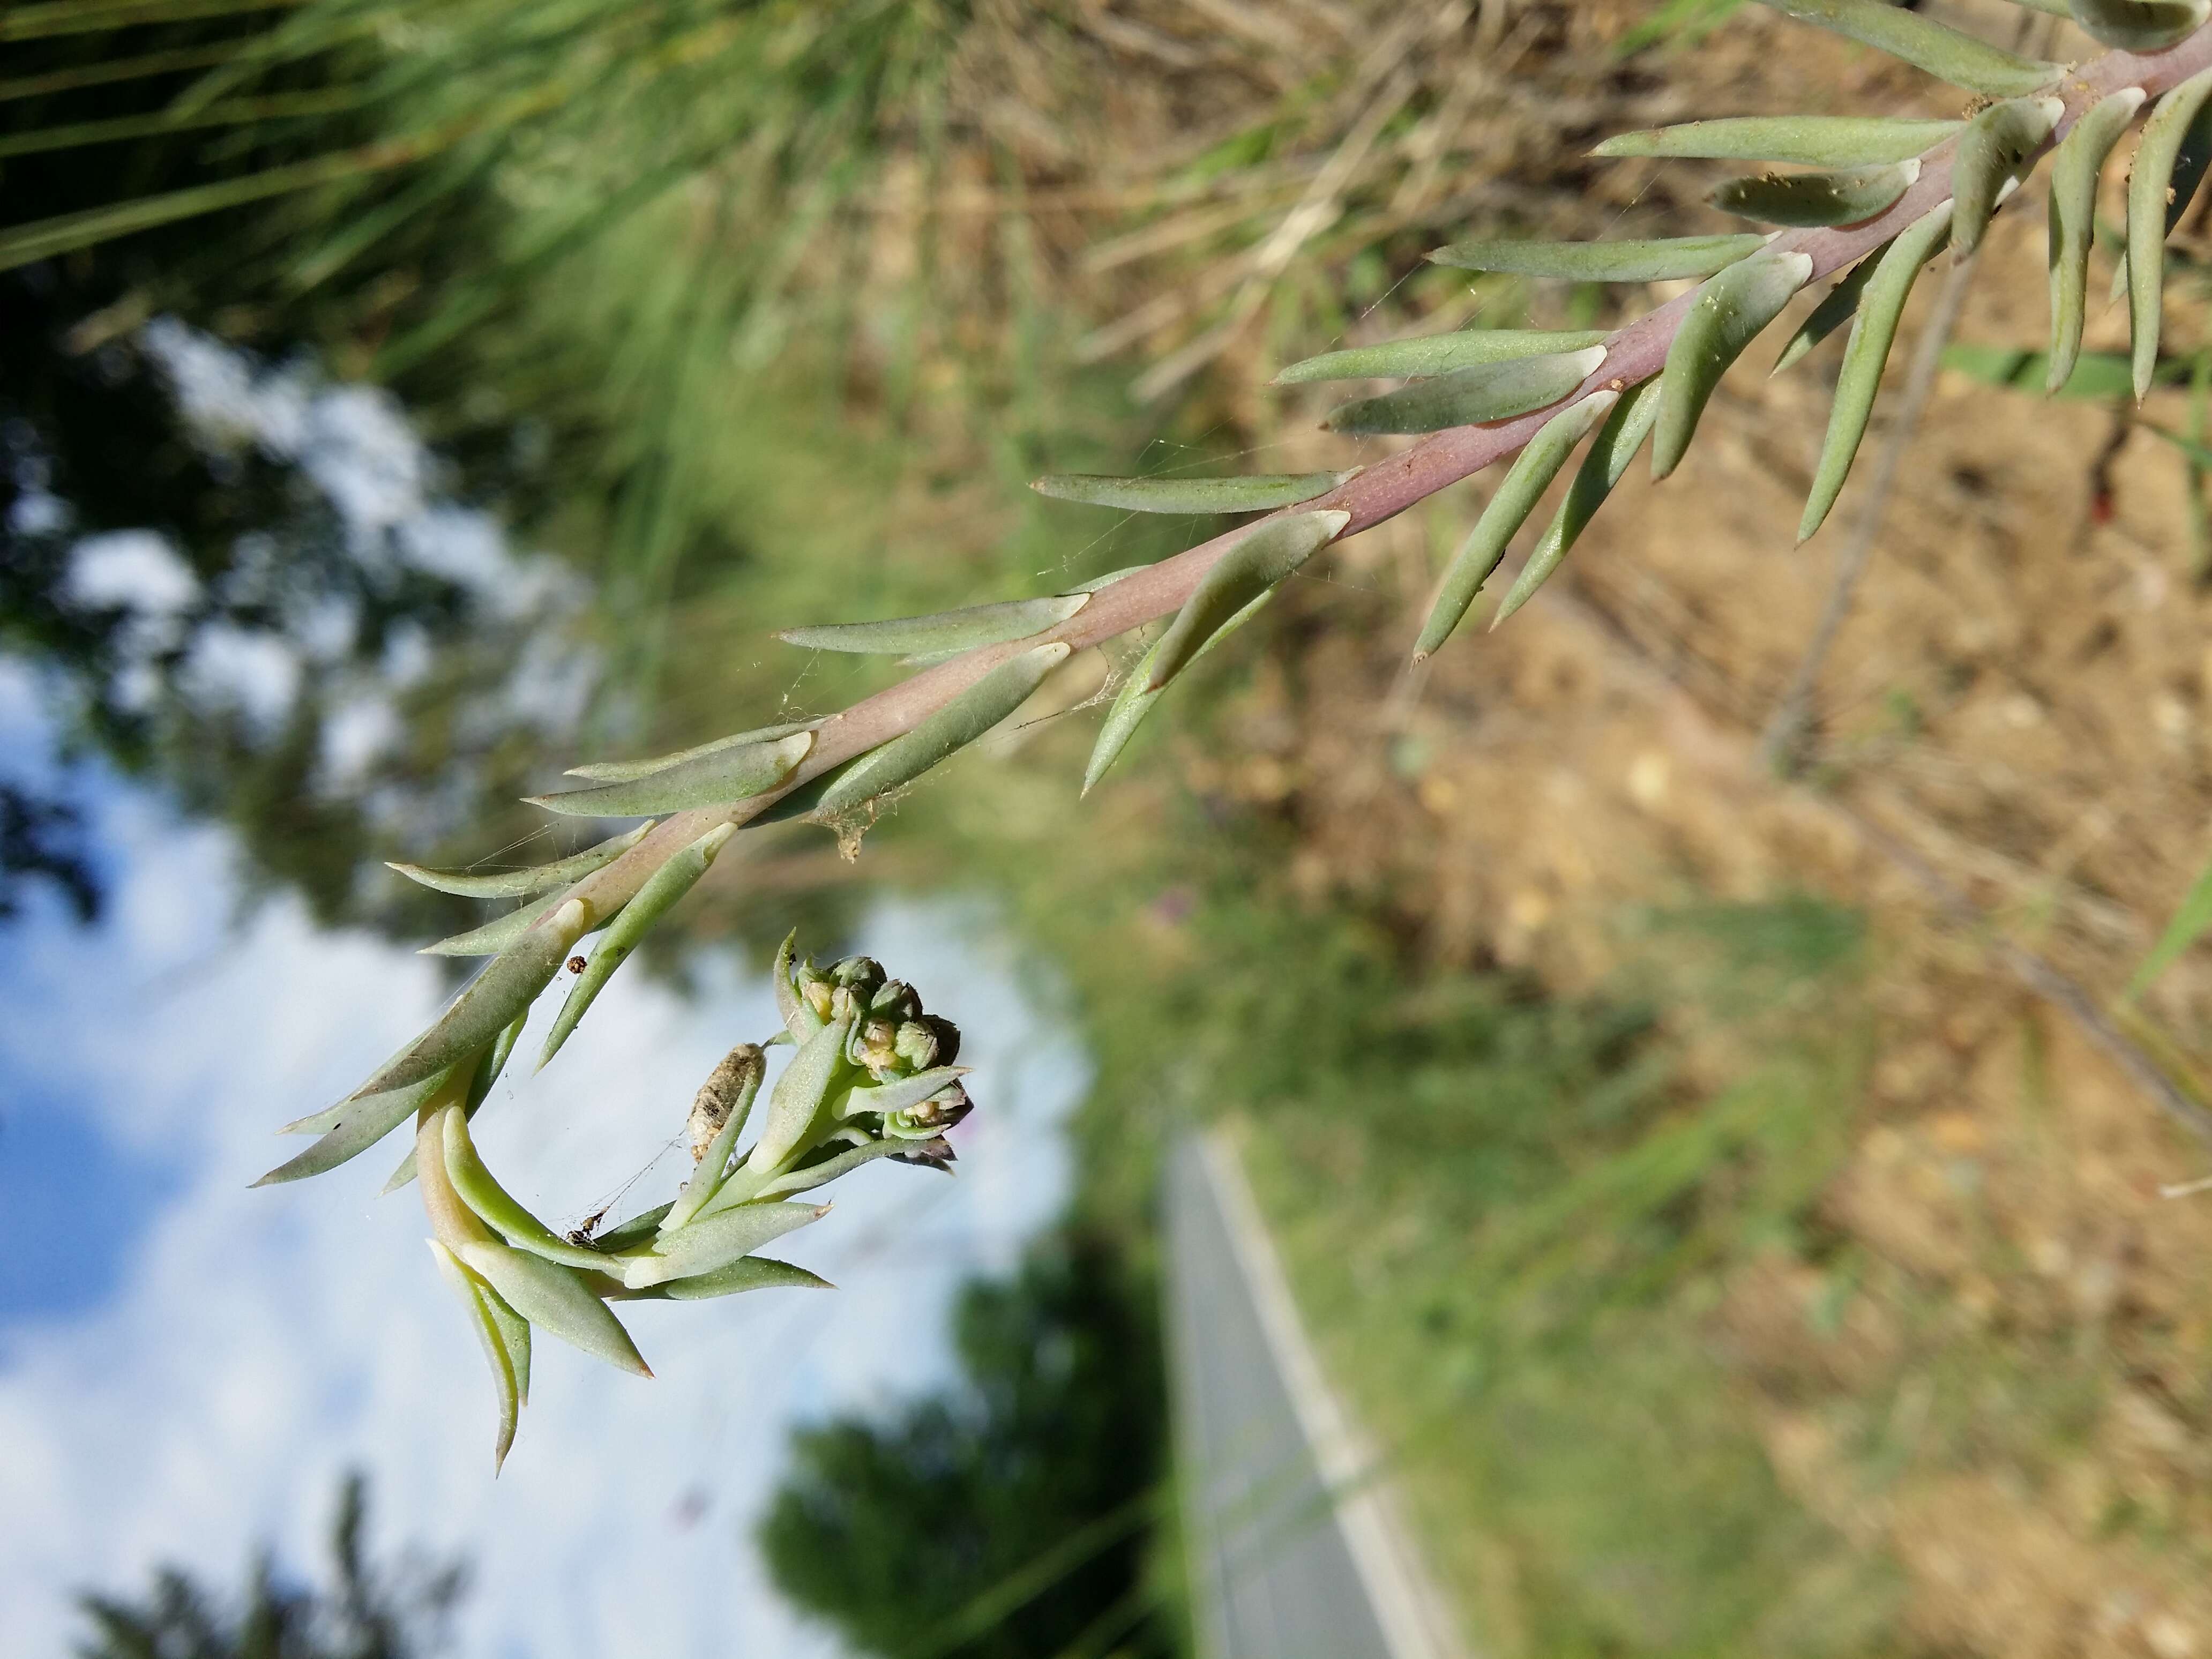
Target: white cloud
(130, 570)
(250, 670)
(261, 1340)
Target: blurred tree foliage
(1005, 1519)
(367, 1611)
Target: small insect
(582, 1234)
(576, 964)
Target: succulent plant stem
(1633, 354)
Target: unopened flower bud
(948, 1038)
(843, 1004)
(896, 1001)
(873, 1045)
(861, 973)
(916, 1045)
(816, 994)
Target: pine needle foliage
(1869, 217)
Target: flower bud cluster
(891, 1042)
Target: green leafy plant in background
(1883, 198)
(367, 1612)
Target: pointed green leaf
(1247, 572)
(2075, 171)
(1812, 141)
(1838, 306)
(1996, 145)
(2148, 182)
(1727, 314)
(716, 1241)
(513, 1334)
(798, 1095)
(521, 884)
(1817, 198)
(1134, 701)
(950, 729)
(1257, 493)
(1438, 353)
(1467, 397)
(503, 1212)
(1925, 43)
(747, 1273)
(899, 1094)
(798, 1018)
(493, 1063)
(1610, 453)
(505, 989)
(714, 779)
(624, 771)
(492, 1334)
(945, 633)
(661, 891)
(557, 1299)
(499, 933)
(821, 1174)
(355, 1125)
(2139, 25)
(1666, 260)
(1524, 485)
(1872, 334)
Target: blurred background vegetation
(1746, 1265)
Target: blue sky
(187, 1366)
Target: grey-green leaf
(662, 889)
(557, 1299)
(1872, 334)
(897, 1095)
(1727, 315)
(1992, 151)
(506, 988)
(1438, 353)
(1610, 453)
(798, 1096)
(2148, 182)
(1467, 397)
(622, 771)
(492, 1334)
(714, 1241)
(1247, 572)
(640, 1230)
(946, 632)
(1664, 259)
(2075, 171)
(1814, 141)
(1134, 701)
(714, 779)
(1838, 306)
(1532, 473)
(493, 1063)
(521, 884)
(1817, 198)
(1261, 492)
(499, 933)
(2139, 25)
(747, 1273)
(952, 728)
(355, 1125)
(1925, 43)
(821, 1174)
(503, 1212)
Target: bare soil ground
(2021, 700)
